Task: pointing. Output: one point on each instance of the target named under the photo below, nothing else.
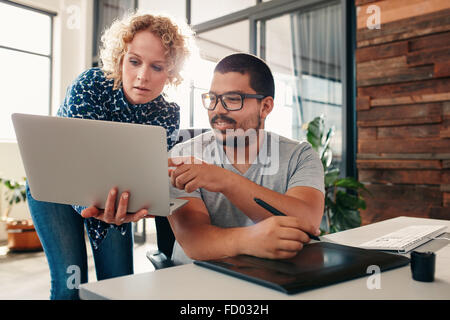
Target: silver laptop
(77, 162)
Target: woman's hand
(112, 216)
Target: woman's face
(144, 68)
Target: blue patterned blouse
(91, 96)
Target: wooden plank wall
(403, 108)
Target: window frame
(97, 30)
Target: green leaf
(344, 219)
(8, 184)
(326, 140)
(350, 183)
(326, 158)
(330, 135)
(315, 132)
(345, 200)
(350, 201)
(331, 176)
(330, 204)
(313, 141)
(333, 229)
(343, 211)
(16, 192)
(352, 219)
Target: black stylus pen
(276, 212)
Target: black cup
(423, 265)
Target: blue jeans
(61, 231)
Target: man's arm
(275, 237)
(304, 203)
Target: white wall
(72, 54)
(174, 8)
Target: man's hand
(192, 173)
(277, 237)
(110, 215)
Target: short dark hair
(261, 78)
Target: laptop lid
(77, 161)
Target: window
(304, 50)
(213, 46)
(25, 63)
(204, 10)
(308, 46)
(219, 42)
(105, 12)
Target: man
(222, 171)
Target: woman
(141, 54)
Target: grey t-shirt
(281, 164)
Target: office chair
(165, 239)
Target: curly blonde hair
(176, 39)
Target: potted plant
(22, 235)
(343, 196)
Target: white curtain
(317, 46)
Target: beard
(244, 135)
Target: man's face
(252, 114)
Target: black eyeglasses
(230, 101)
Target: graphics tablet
(77, 161)
(316, 265)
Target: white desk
(192, 282)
